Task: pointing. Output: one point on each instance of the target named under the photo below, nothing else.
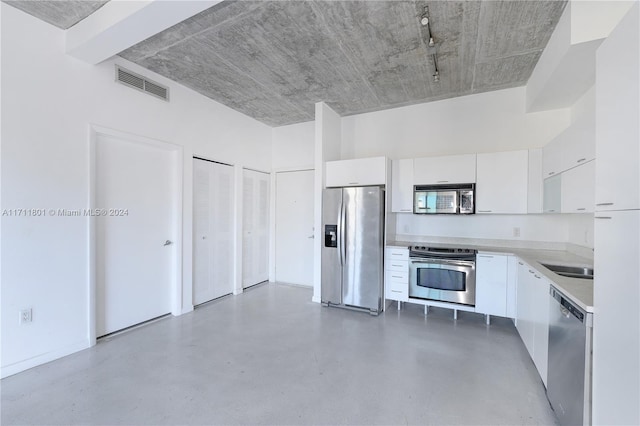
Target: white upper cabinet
(359, 172)
(501, 185)
(445, 169)
(552, 201)
(552, 157)
(617, 128)
(573, 147)
(580, 146)
(577, 189)
(402, 186)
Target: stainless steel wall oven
(443, 274)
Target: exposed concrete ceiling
(273, 60)
(62, 13)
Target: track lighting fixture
(436, 74)
(425, 21)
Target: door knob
(312, 236)
(168, 243)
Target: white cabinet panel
(358, 172)
(616, 322)
(491, 284)
(524, 314)
(255, 227)
(402, 186)
(213, 238)
(540, 316)
(532, 316)
(512, 282)
(445, 169)
(617, 126)
(501, 185)
(577, 188)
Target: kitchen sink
(583, 272)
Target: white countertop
(580, 291)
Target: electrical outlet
(516, 231)
(26, 316)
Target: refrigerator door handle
(340, 241)
(344, 234)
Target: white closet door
(134, 266)
(255, 225)
(294, 227)
(213, 244)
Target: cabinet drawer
(397, 276)
(396, 265)
(397, 291)
(393, 253)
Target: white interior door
(255, 228)
(294, 227)
(213, 244)
(135, 254)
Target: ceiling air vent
(138, 82)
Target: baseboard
(20, 366)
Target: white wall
(48, 101)
(328, 129)
(293, 146)
(486, 122)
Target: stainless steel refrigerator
(352, 248)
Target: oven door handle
(469, 263)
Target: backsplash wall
(575, 229)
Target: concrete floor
(271, 356)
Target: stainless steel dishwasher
(569, 374)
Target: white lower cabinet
(491, 284)
(532, 316)
(524, 317)
(496, 284)
(396, 274)
(540, 325)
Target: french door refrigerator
(352, 248)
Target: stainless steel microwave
(444, 199)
